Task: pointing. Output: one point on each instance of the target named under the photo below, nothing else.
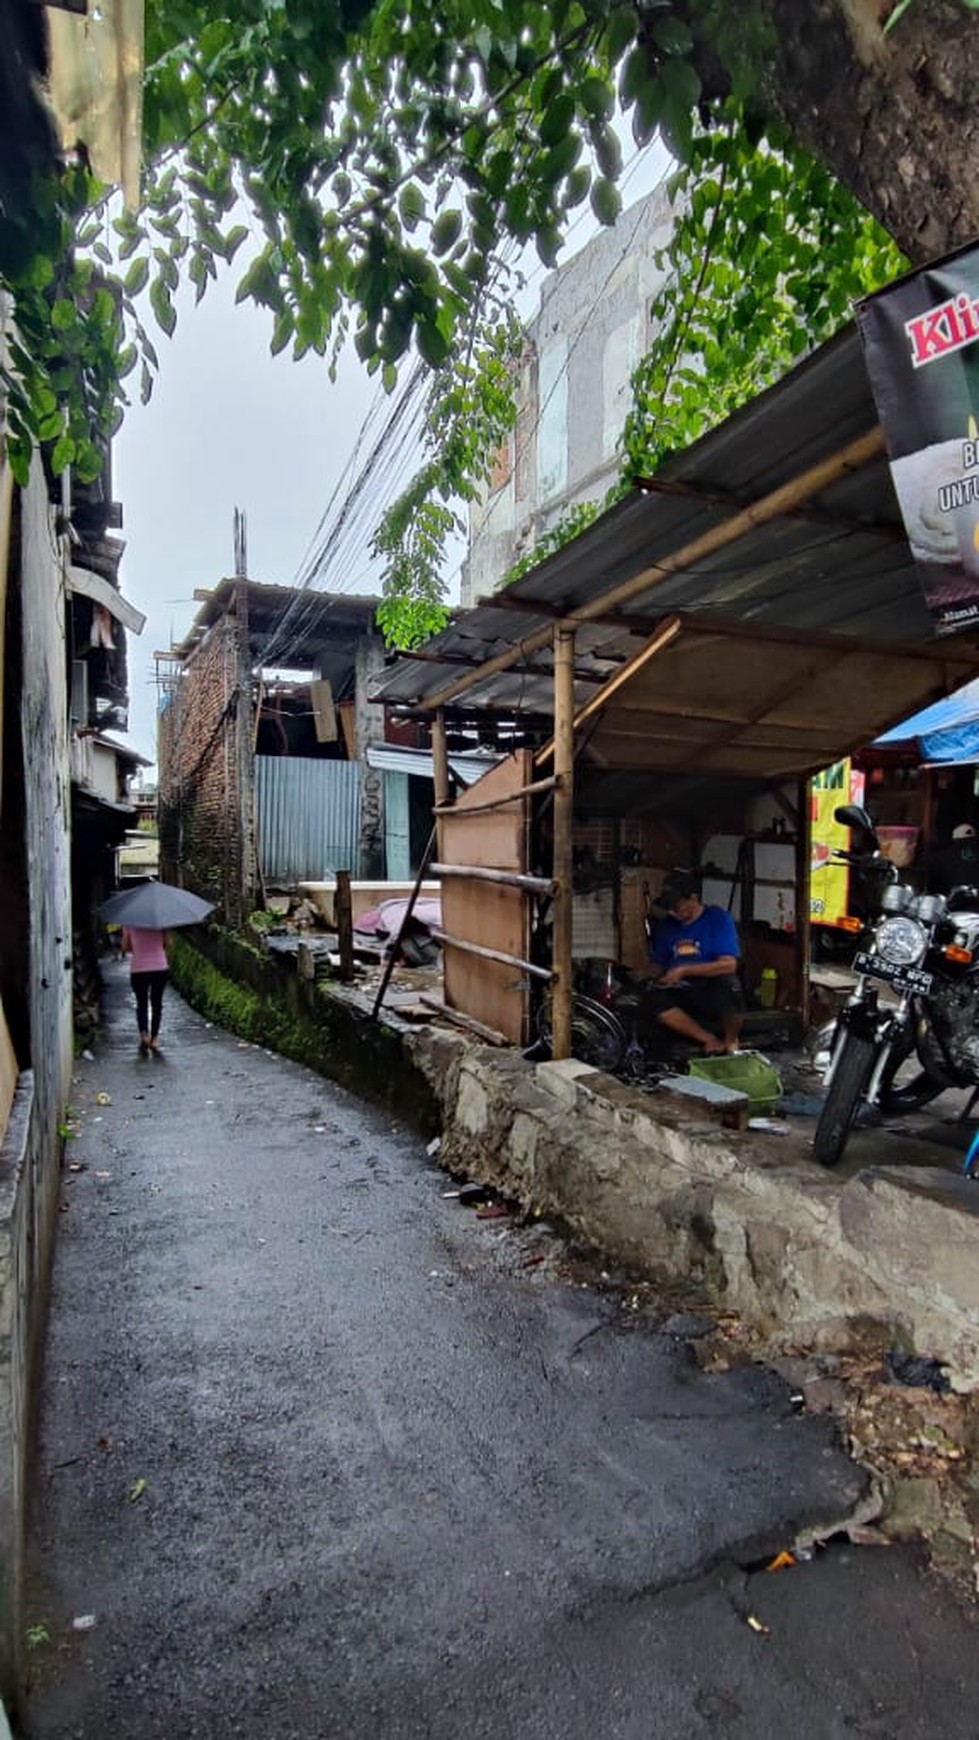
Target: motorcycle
(896, 1056)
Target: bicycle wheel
(597, 1035)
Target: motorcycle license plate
(905, 978)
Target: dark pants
(149, 989)
(712, 1003)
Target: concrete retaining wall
(811, 1260)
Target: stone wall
(811, 1260)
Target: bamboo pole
(480, 1028)
(534, 789)
(775, 505)
(343, 909)
(487, 954)
(664, 636)
(506, 878)
(563, 862)
(394, 947)
(440, 769)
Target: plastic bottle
(768, 988)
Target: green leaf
(548, 244)
(162, 306)
(237, 234)
(284, 328)
(446, 232)
(433, 346)
(197, 272)
(672, 35)
(621, 32)
(411, 205)
(136, 278)
(41, 272)
(578, 184)
(606, 201)
(608, 151)
(596, 99)
(19, 458)
(64, 316)
(62, 454)
(557, 119)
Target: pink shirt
(148, 952)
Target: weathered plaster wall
(574, 392)
(369, 728)
(27, 1165)
(38, 1000)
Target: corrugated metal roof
(294, 622)
(395, 758)
(837, 563)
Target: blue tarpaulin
(947, 731)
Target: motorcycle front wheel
(598, 1037)
(905, 1086)
(843, 1096)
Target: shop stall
(672, 679)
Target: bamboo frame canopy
(770, 562)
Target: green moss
(260, 922)
(326, 1035)
(234, 1006)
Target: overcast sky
(230, 426)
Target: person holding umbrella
(146, 913)
(148, 976)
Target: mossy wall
(261, 998)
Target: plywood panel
(481, 912)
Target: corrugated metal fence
(308, 815)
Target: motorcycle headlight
(902, 941)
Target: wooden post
(563, 850)
(244, 759)
(440, 768)
(803, 873)
(344, 913)
(395, 946)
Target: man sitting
(694, 954)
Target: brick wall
(200, 809)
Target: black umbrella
(154, 906)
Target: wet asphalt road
(399, 1485)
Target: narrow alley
(322, 1454)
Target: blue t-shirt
(709, 937)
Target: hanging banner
(921, 347)
(829, 882)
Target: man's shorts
(710, 1002)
